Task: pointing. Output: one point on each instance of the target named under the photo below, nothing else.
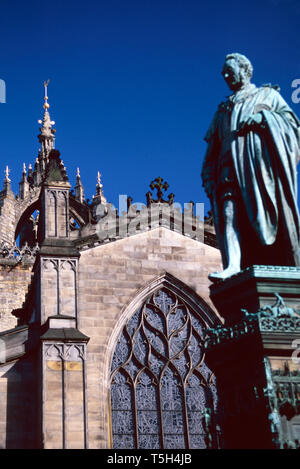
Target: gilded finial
(24, 168)
(99, 179)
(46, 104)
(7, 171)
(46, 122)
(99, 194)
(78, 173)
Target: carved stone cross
(159, 186)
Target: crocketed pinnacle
(7, 182)
(79, 190)
(99, 197)
(47, 135)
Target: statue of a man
(249, 174)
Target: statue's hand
(252, 121)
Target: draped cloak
(264, 161)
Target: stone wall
(109, 277)
(7, 217)
(18, 409)
(15, 278)
(63, 401)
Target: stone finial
(7, 171)
(79, 190)
(46, 105)
(24, 184)
(30, 176)
(99, 180)
(47, 135)
(7, 181)
(78, 178)
(159, 184)
(99, 197)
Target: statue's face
(233, 74)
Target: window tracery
(160, 384)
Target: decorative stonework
(59, 264)
(270, 318)
(287, 390)
(57, 213)
(59, 287)
(64, 395)
(280, 324)
(278, 317)
(161, 388)
(221, 335)
(283, 401)
(65, 351)
(17, 253)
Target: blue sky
(134, 84)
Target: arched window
(161, 387)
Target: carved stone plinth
(255, 357)
(255, 287)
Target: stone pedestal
(256, 357)
(253, 288)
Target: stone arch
(27, 207)
(25, 213)
(174, 286)
(77, 216)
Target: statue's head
(237, 71)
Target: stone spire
(23, 185)
(30, 176)
(99, 201)
(79, 190)
(99, 197)
(47, 135)
(7, 171)
(7, 181)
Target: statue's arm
(272, 104)
(280, 108)
(283, 110)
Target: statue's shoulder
(269, 90)
(269, 85)
(225, 106)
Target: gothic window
(160, 384)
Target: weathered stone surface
(14, 283)
(109, 278)
(18, 387)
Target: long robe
(264, 163)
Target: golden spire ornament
(46, 137)
(7, 171)
(46, 104)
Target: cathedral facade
(111, 336)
